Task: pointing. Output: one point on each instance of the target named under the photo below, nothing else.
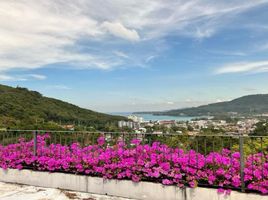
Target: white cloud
(227, 52)
(150, 58)
(250, 89)
(206, 33)
(170, 102)
(5, 77)
(34, 34)
(188, 100)
(263, 47)
(121, 54)
(255, 67)
(38, 76)
(118, 30)
(60, 87)
(22, 77)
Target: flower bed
(156, 163)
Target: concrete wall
(127, 189)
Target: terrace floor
(23, 192)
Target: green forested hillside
(246, 105)
(21, 108)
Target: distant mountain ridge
(20, 107)
(250, 104)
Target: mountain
(21, 108)
(246, 105)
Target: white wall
(127, 189)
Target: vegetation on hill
(24, 109)
(246, 105)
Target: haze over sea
(148, 117)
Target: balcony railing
(247, 146)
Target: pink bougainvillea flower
(156, 163)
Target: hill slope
(20, 107)
(251, 104)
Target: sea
(148, 117)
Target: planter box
(123, 188)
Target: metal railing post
(35, 143)
(242, 162)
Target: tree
(261, 129)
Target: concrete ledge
(126, 189)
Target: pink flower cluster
(156, 163)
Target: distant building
(167, 122)
(129, 124)
(141, 130)
(69, 127)
(157, 132)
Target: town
(230, 126)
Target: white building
(135, 118)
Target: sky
(135, 55)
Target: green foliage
(253, 145)
(261, 129)
(211, 131)
(190, 128)
(202, 144)
(24, 109)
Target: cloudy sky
(118, 55)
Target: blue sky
(135, 55)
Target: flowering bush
(156, 163)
